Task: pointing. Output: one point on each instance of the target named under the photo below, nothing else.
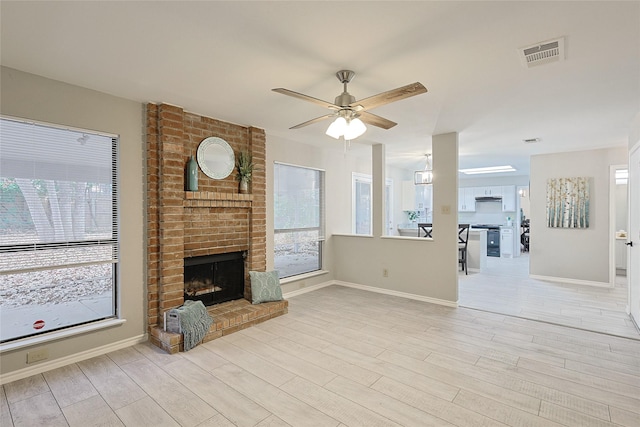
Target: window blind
(299, 201)
(59, 197)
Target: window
(362, 205)
(58, 228)
(298, 219)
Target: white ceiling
(221, 59)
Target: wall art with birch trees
(568, 202)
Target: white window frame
(360, 178)
(321, 219)
(29, 249)
(357, 177)
(388, 208)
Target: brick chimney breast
(216, 219)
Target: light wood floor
(505, 288)
(347, 357)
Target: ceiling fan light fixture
(337, 128)
(349, 109)
(354, 129)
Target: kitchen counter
(408, 229)
(477, 249)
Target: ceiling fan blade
(390, 96)
(372, 119)
(312, 121)
(306, 98)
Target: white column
(378, 172)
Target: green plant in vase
(244, 166)
(413, 215)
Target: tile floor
(505, 288)
(347, 357)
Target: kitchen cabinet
(417, 197)
(508, 198)
(467, 199)
(424, 198)
(491, 191)
(506, 242)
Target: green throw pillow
(265, 286)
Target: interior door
(633, 264)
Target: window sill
(302, 276)
(366, 236)
(56, 335)
(424, 239)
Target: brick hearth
(228, 317)
(216, 219)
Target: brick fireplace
(216, 219)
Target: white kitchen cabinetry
(424, 198)
(467, 199)
(506, 242)
(493, 191)
(417, 197)
(508, 198)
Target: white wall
(417, 266)
(478, 181)
(574, 254)
(32, 97)
(338, 166)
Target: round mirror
(215, 158)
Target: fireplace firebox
(214, 279)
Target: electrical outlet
(385, 272)
(37, 355)
(446, 209)
(303, 284)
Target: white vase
(244, 186)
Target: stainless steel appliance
(493, 238)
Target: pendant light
(424, 177)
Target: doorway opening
(504, 286)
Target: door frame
(612, 220)
(633, 270)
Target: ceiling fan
(350, 115)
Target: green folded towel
(194, 322)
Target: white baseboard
(73, 358)
(307, 289)
(571, 281)
(370, 289)
(397, 293)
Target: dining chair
(524, 235)
(427, 227)
(463, 240)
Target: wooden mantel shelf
(207, 199)
(216, 195)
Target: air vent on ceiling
(542, 53)
(531, 140)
